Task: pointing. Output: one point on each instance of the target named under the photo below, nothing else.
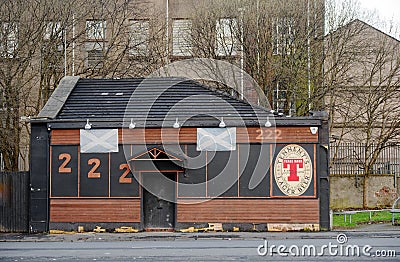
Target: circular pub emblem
(293, 170)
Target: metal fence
(14, 201)
(348, 159)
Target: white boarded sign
(99, 140)
(216, 139)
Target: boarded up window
(139, 38)
(227, 41)
(95, 58)
(181, 37)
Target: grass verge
(360, 218)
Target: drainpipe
(167, 32)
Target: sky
(388, 10)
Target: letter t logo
(293, 164)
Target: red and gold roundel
(293, 170)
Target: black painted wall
(39, 179)
(323, 169)
(244, 172)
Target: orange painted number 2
(95, 162)
(63, 167)
(123, 179)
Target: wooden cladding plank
(293, 134)
(94, 210)
(158, 135)
(14, 198)
(65, 137)
(250, 211)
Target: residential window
(227, 42)
(53, 30)
(8, 39)
(53, 36)
(283, 102)
(283, 35)
(95, 29)
(95, 58)
(181, 37)
(52, 56)
(139, 38)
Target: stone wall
(346, 192)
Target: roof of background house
(150, 102)
(361, 24)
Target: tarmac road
(190, 250)
(227, 246)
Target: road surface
(206, 250)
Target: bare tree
(96, 39)
(19, 36)
(362, 79)
(42, 41)
(272, 41)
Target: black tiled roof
(158, 101)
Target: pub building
(170, 153)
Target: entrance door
(158, 212)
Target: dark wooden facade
(110, 188)
(14, 197)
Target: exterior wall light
(176, 124)
(222, 123)
(132, 125)
(268, 123)
(313, 129)
(88, 125)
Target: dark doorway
(159, 213)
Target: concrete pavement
(370, 231)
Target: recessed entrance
(159, 200)
(158, 171)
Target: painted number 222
(95, 164)
(268, 133)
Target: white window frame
(139, 36)
(283, 35)
(227, 43)
(280, 99)
(8, 39)
(53, 29)
(181, 37)
(96, 30)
